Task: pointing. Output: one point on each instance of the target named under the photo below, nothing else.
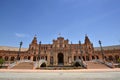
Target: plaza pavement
(76, 74)
(72, 70)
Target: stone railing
(97, 60)
(17, 62)
(37, 64)
(25, 60)
(12, 65)
(84, 64)
(109, 64)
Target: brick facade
(61, 51)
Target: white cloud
(21, 35)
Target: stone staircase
(96, 65)
(24, 65)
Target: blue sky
(20, 20)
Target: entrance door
(60, 59)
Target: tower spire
(59, 34)
(87, 40)
(34, 41)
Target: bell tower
(33, 47)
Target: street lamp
(81, 53)
(101, 49)
(39, 51)
(70, 58)
(18, 56)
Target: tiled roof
(12, 48)
(108, 47)
(25, 49)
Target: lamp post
(70, 60)
(101, 50)
(18, 56)
(81, 53)
(39, 51)
(38, 58)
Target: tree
(119, 60)
(1, 61)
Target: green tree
(119, 60)
(1, 61)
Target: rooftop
(12, 48)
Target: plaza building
(61, 52)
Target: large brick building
(60, 52)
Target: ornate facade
(61, 52)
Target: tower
(33, 47)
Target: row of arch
(85, 58)
(107, 58)
(112, 58)
(13, 58)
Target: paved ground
(84, 74)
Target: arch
(60, 59)
(97, 57)
(74, 58)
(116, 58)
(28, 57)
(87, 58)
(18, 57)
(110, 58)
(12, 58)
(43, 65)
(105, 58)
(25, 57)
(76, 64)
(93, 57)
(83, 58)
(79, 57)
(51, 60)
(6, 58)
(34, 58)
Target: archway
(87, 58)
(43, 65)
(28, 57)
(60, 59)
(110, 58)
(93, 57)
(12, 58)
(116, 58)
(6, 58)
(34, 58)
(77, 64)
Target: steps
(96, 65)
(24, 65)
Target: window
(6, 58)
(51, 60)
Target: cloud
(21, 35)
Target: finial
(79, 42)
(59, 35)
(99, 42)
(71, 42)
(40, 42)
(35, 35)
(85, 35)
(21, 43)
